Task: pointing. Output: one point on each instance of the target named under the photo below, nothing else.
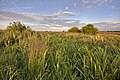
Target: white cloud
(59, 13)
(57, 25)
(113, 7)
(60, 28)
(108, 26)
(66, 8)
(93, 3)
(74, 4)
(46, 23)
(9, 1)
(88, 7)
(70, 21)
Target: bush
(89, 29)
(17, 26)
(74, 29)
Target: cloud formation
(66, 8)
(93, 3)
(35, 20)
(59, 13)
(108, 26)
(47, 23)
(9, 1)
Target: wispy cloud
(37, 20)
(113, 7)
(26, 7)
(9, 1)
(93, 3)
(46, 23)
(108, 26)
(59, 13)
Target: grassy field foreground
(59, 56)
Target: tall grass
(54, 56)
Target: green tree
(74, 29)
(89, 29)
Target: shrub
(74, 29)
(16, 26)
(89, 29)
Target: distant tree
(74, 29)
(89, 29)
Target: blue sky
(77, 11)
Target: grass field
(59, 56)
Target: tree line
(88, 29)
(17, 27)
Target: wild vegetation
(88, 29)
(32, 55)
(74, 29)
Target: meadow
(34, 55)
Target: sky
(61, 14)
